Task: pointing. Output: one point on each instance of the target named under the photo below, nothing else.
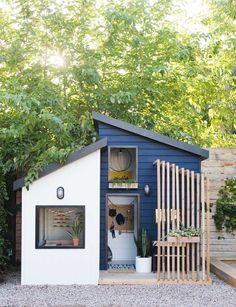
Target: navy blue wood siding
(148, 152)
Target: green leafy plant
(75, 229)
(120, 181)
(185, 232)
(225, 217)
(3, 257)
(143, 244)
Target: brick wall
(18, 226)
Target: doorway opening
(122, 225)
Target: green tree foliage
(59, 60)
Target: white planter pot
(143, 265)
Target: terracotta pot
(75, 242)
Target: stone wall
(220, 165)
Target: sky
(186, 16)
(190, 14)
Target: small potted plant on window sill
(75, 232)
(123, 184)
(143, 260)
(184, 235)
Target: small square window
(122, 169)
(60, 226)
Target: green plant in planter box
(185, 232)
(225, 217)
(122, 180)
(143, 244)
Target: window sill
(59, 247)
(126, 186)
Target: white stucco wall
(81, 181)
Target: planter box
(123, 185)
(143, 265)
(183, 239)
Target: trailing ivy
(225, 217)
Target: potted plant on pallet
(143, 259)
(75, 233)
(184, 235)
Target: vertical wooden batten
(188, 220)
(158, 219)
(178, 221)
(163, 218)
(183, 218)
(168, 215)
(198, 222)
(173, 215)
(193, 222)
(203, 225)
(208, 228)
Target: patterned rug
(121, 267)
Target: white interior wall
(63, 266)
(123, 246)
(46, 221)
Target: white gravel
(218, 294)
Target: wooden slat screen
(182, 202)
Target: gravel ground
(218, 294)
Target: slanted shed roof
(196, 150)
(19, 183)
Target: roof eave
(20, 183)
(97, 117)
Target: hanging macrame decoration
(120, 159)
